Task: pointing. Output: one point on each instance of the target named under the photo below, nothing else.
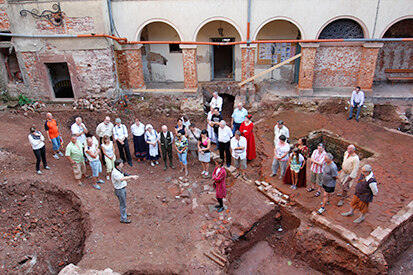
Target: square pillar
(190, 70)
(306, 75)
(129, 66)
(247, 71)
(369, 54)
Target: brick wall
(393, 55)
(130, 70)
(337, 66)
(247, 63)
(4, 18)
(190, 73)
(78, 25)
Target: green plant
(24, 100)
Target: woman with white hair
(152, 139)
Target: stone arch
(281, 18)
(394, 22)
(156, 20)
(218, 18)
(345, 17)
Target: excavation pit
(43, 229)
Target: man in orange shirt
(53, 135)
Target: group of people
(291, 161)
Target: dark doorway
(60, 80)
(227, 107)
(223, 60)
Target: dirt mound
(42, 228)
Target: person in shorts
(74, 153)
(316, 168)
(53, 135)
(92, 154)
(330, 175)
(204, 154)
(239, 153)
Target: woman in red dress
(302, 175)
(246, 129)
(218, 179)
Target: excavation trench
(42, 228)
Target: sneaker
(47, 167)
(39, 172)
(172, 166)
(349, 118)
(217, 206)
(347, 214)
(359, 220)
(107, 178)
(156, 162)
(56, 156)
(273, 175)
(60, 154)
(126, 221)
(293, 187)
(321, 211)
(203, 172)
(165, 167)
(221, 209)
(96, 186)
(152, 164)
(100, 181)
(340, 203)
(81, 184)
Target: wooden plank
(164, 90)
(215, 260)
(398, 71)
(270, 69)
(218, 256)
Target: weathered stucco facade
(99, 65)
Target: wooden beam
(270, 69)
(164, 90)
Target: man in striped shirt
(317, 161)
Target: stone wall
(130, 70)
(4, 18)
(79, 25)
(393, 55)
(337, 66)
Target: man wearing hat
(280, 129)
(120, 134)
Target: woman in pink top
(218, 178)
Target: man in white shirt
(349, 170)
(104, 128)
(119, 183)
(239, 153)
(356, 101)
(79, 130)
(366, 189)
(120, 134)
(92, 154)
(280, 129)
(216, 101)
(224, 138)
(280, 157)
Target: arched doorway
(269, 55)
(395, 55)
(342, 28)
(218, 63)
(160, 61)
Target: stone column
(306, 75)
(369, 56)
(247, 71)
(190, 70)
(129, 66)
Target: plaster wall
(393, 55)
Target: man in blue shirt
(238, 117)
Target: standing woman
(204, 155)
(181, 146)
(180, 128)
(152, 139)
(302, 175)
(194, 134)
(36, 140)
(246, 130)
(108, 150)
(139, 144)
(218, 178)
(296, 162)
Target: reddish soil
(169, 235)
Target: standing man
(53, 135)
(238, 117)
(120, 134)
(216, 101)
(348, 173)
(224, 138)
(317, 161)
(215, 120)
(280, 129)
(104, 128)
(329, 181)
(239, 153)
(74, 153)
(166, 146)
(119, 183)
(366, 189)
(92, 154)
(79, 129)
(356, 101)
(281, 150)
